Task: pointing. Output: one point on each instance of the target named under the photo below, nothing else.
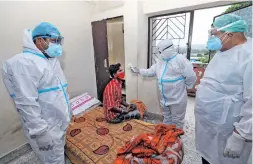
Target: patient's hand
(129, 109)
(132, 107)
(124, 110)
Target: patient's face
(120, 70)
(120, 74)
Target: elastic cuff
(245, 136)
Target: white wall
(106, 5)
(148, 91)
(152, 8)
(110, 13)
(73, 20)
(136, 39)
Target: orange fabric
(140, 106)
(164, 144)
(90, 139)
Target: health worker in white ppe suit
(223, 108)
(174, 75)
(37, 85)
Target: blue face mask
(54, 50)
(214, 44)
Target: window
(175, 27)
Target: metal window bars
(166, 27)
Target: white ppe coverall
(174, 74)
(38, 86)
(224, 103)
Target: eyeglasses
(53, 38)
(58, 40)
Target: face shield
(217, 38)
(211, 32)
(166, 49)
(164, 45)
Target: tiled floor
(31, 158)
(12, 141)
(191, 156)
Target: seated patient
(115, 108)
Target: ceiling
(106, 5)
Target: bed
(91, 140)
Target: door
(99, 33)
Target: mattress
(91, 140)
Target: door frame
(105, 45)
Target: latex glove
(134, 69)
(45, 141)
(234, 146)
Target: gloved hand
(45, 141)
(234, 146)
(134, 69)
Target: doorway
(108, 43)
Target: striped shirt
(112, 98)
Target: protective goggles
(53, 38)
